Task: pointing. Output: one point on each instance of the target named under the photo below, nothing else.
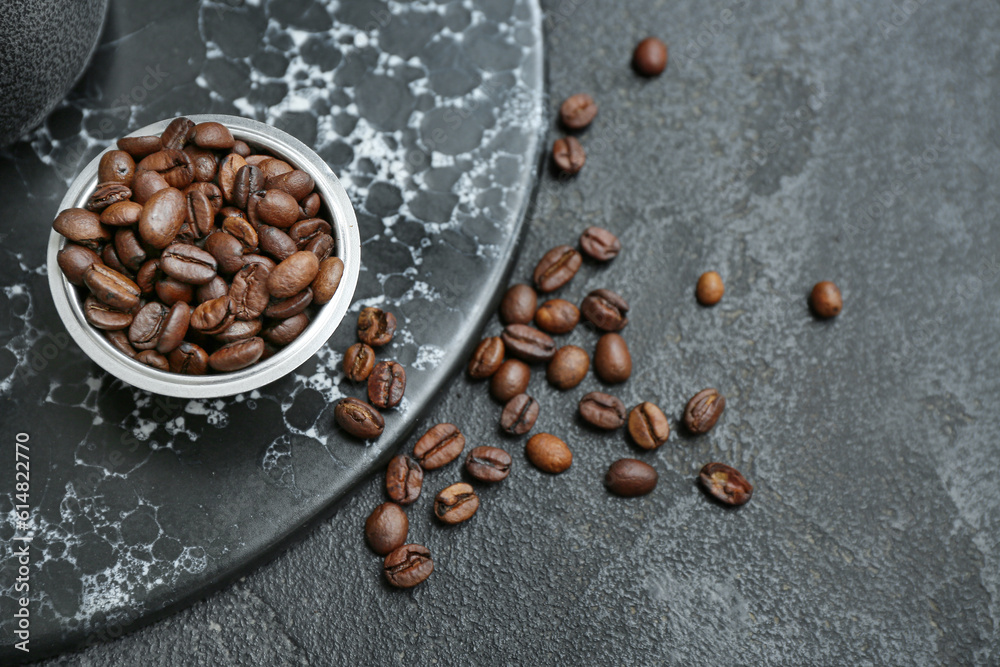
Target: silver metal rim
(329, 317)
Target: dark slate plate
(430, 113)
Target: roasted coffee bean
(249, 180)
(162, 217)
(568, 367)
(215, 136)
(599, 244)
(229, 166)
(556, 268)
(358, 418)
(212, 193)
(612, 361)
(274, 167)
(710, 288)
(257, 160)
(103, 316)
(283, 332)
(204, 163)
(249, 291)
(107, 194)
(213, 289)
(304, 231)
(825, 299)
(548, 453)
(110, 258)
(510, 380)
(630, 478)
(557, 316)
(605, 310)
(602, 410)
(408, 566)
(121, 214)
(487, 358)
(488, 464)
(174, 165)
(140, 147)
(296, 183)
(112, 288)
(386, 384)
(528, 344)
(215, 316)
(293, 275)
(154, 359)
(243, 232)
(569, 156)
(650, 57)
(145, 184)
(359, 360)
(178, 133)
(289, 307)
(518, 305)
(648, 426)
(456, 503)
(439, 446)
(188, 264)
(386, 528)
(239, 330)
(227, 251)
(236, 355)
(276, 208)
(241, 148)
(171, 291)
(275, 242)
(327, 280)
(321, 246)
(175, 327)
(147, 275)
(404, 478)
(725, 483)
(119, 340)
(309, 207)
(519, 415)
(189, 359)
(577, 111)
(147, 326)
(254, 258)
(116, 167)
(703, 410)
(375, 326)
(74, 260)
(83, 227)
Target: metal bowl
(325, 322)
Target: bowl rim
(313, 338)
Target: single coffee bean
(174, 165)
(145, 184)
(275, 242)
(239, 330)
(74, 260)
(321, 246)
(358, 418)
(602, 410)
(439, 446)
(213, 289)
(386, 528)
(204, 163)
(487, 358)
(359, 360)
(83, 227)
(528, 344)
(162, 217)
(285, 331)
(605, 310)
(548, 453)
(408, 566)
(556, 268)
(154, 359)
(241, 148)
(229, 167)
(249, 291)
(386, 384)
(128, 249)
(557, 316)
(119, 340)
(249, 179)
(650, 57)
(488, 464)
(178, 133)
(519, 415)
(236, 355)
(276, 208)
(404, 478)
(107, 194)
(456, 503)
(170, 291)
(518, 305)
(293, 275)
(710, 288)
(568, 367)
(121, 214)
(150, 272)
(116, 167)
(227, 251)
(188, 264)
(375, 326)
(826, 300)
(296, 183)
(304, 231)
(725, 483)
(703, 410)
(630, 478)
(140, 147)
(110, 258)
(112, 287)
(289, 307)
(599, 244)
(569, 156)
(273, 167)
(309, 207)
(648, 426)
(327, 280)
(215, 316)
(212, 135)
(612, 361)
(189, 359)
(510, 380)
(175, 327)
(577, 111)
(103, 316)
(243, 232)
(146, 328)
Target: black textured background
(792, 144)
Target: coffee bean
(359, 418)
(154, 359)
(213, 289)
(293, 275)
(116, 167)
(273, 167)
(249, 179)
(103, 316)
(527, 343)
(456, 503)
(710, 288)
(569, 156)
(826, 300)
(578, 111)
(404, 478)
(140, 147)
(568, 367)
(648, 426)
(510, 380)
(215, 316)
(602, 410)
(599, 244)
(74, 260)
(296, 183)
(189, 359)
(110, 258)
(304, 231)
(173, 165)
(144, 333)
(612, 361)
(518, 304)
(519, 415)
(170, 291)
(556, 268)
(276, 208)
(725, 483)
(359, 360)
(703, 410)
(145, 184)
(228, 168)
(650, 57)
(242, 231)
(107, 194)
(236, 355)
(112, 288)
(188, 263)
(241, 148)
(548, 453)
(275, 242)
(375, 326)
(309, 207)
(162, 217)
(557, 316)
(408, 566)
(178, 133)
(386, 528)
(212, 135)
(488, 464)
(327, 280)
(249, 291)
(204, 164)
(605, 310)
(239, 330)
(630, 477)
(121, 214)
(175, 327)
(487, 358)
(83, 227)
(119, 340)
(386, 384)
(289, 307)
(439, 446)
(283, 332)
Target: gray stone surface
(799, 143)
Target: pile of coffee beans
(197, 253)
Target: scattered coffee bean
(602, 410)
(556, 268)
(630, 477)
(510, 380)
(488, 464)
(487, 358)
(578, 111)
(648, 426)
(548, 453)
(557, 316)
(703, 410)
(408, 566)
(404, 479)
(826, 300)
(386, 384)
(518, 304)
(519, 415)
(376, 327)
(710, 288)
(650, 57)
(456, 503)
(527, 343)
(439, 446)
(568, 367)
(359, 360)
(386, 528)
(725, 483)
(569, 156)
(612, 361)
(358, 418)
(599, 244)
(605, 310)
